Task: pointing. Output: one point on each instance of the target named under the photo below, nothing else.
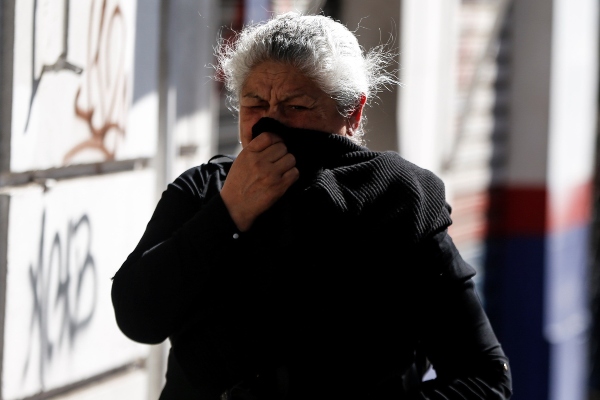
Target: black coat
(337, 284)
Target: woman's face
(282, 92)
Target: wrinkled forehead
(279, 78)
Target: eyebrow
(252, 96)
(292, 96)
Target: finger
(264, 140)
(275, 152)
(290, 176)
(285, 163)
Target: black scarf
(379, 187)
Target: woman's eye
(295, 107)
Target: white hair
(321, 48)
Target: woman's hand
(259, 176)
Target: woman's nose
(275, 112)
(272, 111)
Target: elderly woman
(307, 267)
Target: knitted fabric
(379, 187)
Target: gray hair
(321, 48)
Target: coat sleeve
(167, 276)
(457, 336)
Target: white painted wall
(128, 386)
(85, 90)
(573, 97)
(428, 58)
(64, 246)
(72, 101)
(571, 160)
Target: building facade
(103, 102)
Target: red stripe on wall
(527, 210)
(518, 211)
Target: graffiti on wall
(101, 100)
(62, 63)
(65, 243)
(64, 291)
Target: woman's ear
(356, 115)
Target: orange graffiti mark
(101, 101)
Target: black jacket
(338, 283)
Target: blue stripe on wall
(514, 277)
(536, 291)
(567, 317)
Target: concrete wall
(63, 246)
(538, 253)
(80, 127)
(103, 103)
(73, 85)
(428, 99)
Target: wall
(537, 260)
(474, 157)
(77, 146)
(64, 244)
(82, 165)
